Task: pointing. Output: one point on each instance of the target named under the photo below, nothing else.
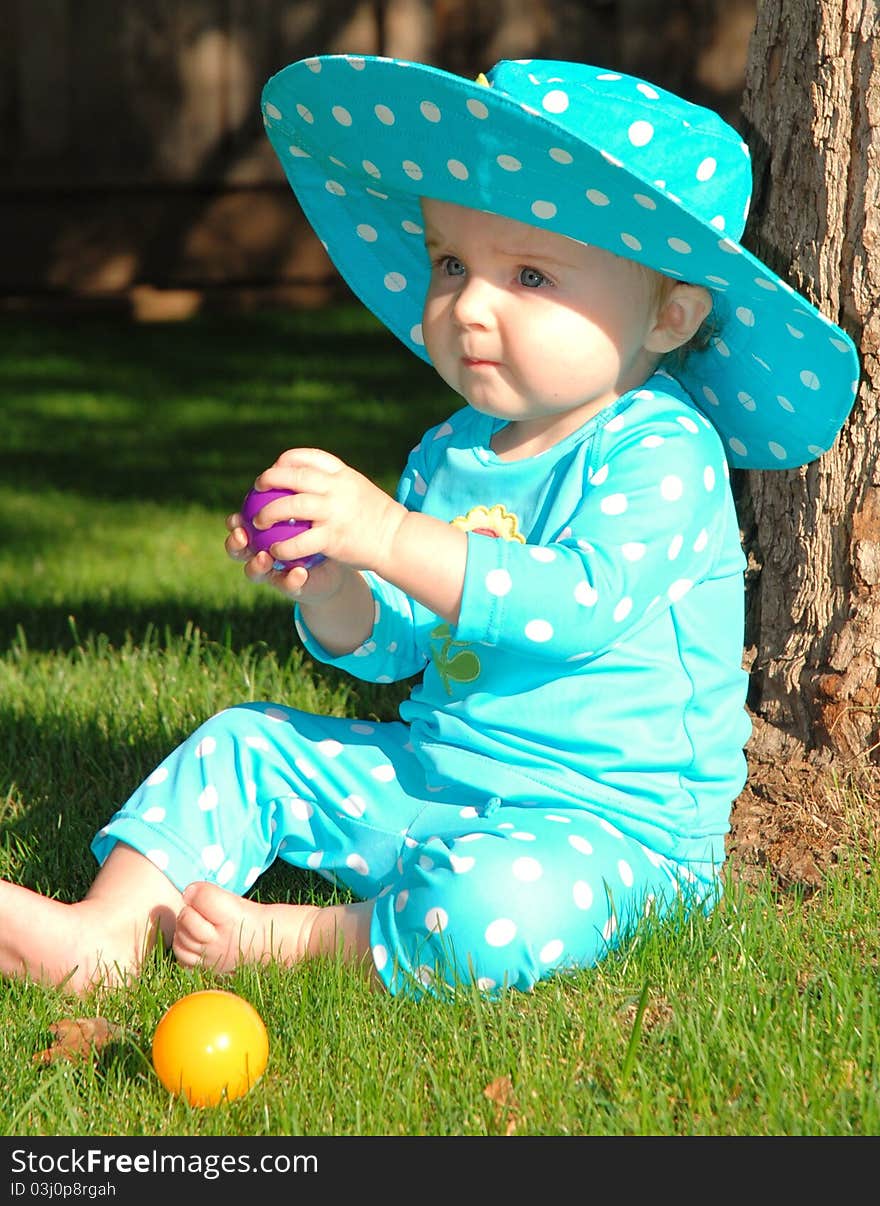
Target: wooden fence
(133, 163)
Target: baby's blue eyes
(531, 278)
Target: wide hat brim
(362, 139)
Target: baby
(561, 563)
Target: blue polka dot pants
(499, 894)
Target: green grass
(123, 625)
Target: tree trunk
(811, 110)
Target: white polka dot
(777, 450)
(153, 816)
(675, 546)
(299, 808)
(305, 114)
(256, 743)
(810, 379)
(600, 475)
(208, 798)
(461, 863)
(709, 477)
(510, 163)
(363, 729)
(159, 775)
(273, 111)
(436, 920)
(527, 870)
(477, 109)
(640, 133)
(539, 631)
(680, 246)
(701, 541)
(498, 582)
(551, 952)
(609, 927)
(613, 504)
(652, 441)
(457, 169)
(384, 773)
(305, 768)
(412, 169)
(738, 447)
(671, 488)
(598, 198)
(560, 156)
(543, 209)
(330, 748)
(631, 241)
(371, 169)
(710, 396)
(395, 282)
(647, 90)
(679, 589)
(745, 316)
(212, 857)
(520, 835)
(784, 403)
(412, 228)
(633, 550)
(645, 201)
(580, 844)
(687, 423)
(623, 608)
(430, 111)
(354, 805)
(582, 894)
(500, 932)
(556, 101)
(205, 747)
(385, 115)
(358, 863)
(706, 169)
(159, 858)
(585, 594)
(401, 901)
(540, 552)
(367, 233)
(380, 957)
(334, 187)
(341, 115)
(226, 872)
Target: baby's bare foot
(219, 930)
(71, 946)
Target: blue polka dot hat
(595, 155)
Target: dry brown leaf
(500, 1091)
(77, 1038)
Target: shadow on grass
(191, 412)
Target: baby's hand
(313, 585)
(352, 520)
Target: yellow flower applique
(494, 521)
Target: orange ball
(210, 1046)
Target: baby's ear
(679, 317)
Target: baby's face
(530, 326)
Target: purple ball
(261, 538)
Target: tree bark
(811, 110)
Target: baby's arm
(357, 525)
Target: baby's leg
(101, 939)
(220, 930)
(529, 891)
